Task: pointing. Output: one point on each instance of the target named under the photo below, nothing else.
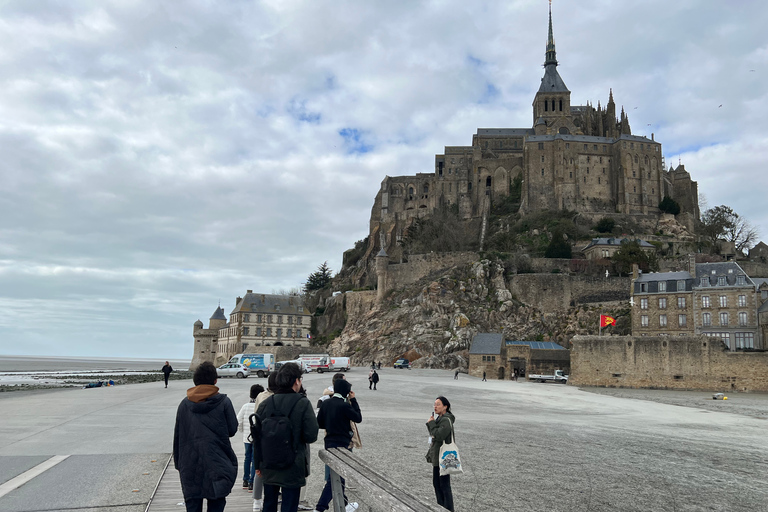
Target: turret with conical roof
(218, 320)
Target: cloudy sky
(158, 156)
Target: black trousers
(196, 505)
(166, 379)
(442, 485)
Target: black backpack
(273, 434)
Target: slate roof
(727, 269)
(505, 131)
(663, 276)
(218, 314)
(551, 81)
(487, 343)
(759, 281)
(264, 303)
(763, 308)
(547, 345)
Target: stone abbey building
(573, 157)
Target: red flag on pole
(605, 321)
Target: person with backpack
(249, 469)
(258, 485)
(205, 420)
(374, 379)
(285, 423)
(334, 416)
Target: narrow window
(561, 105)
(682, 320)
(742, 301)
(662, 320)
(643, 303)
(742, 318)
(706, 319)
(705, 301)
(644, 320)
(724, 319)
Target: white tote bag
(450, 463)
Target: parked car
(238, 370)
(402, 363)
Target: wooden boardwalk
(168, 497)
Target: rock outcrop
(433, 321)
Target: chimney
(263, 299)
(692, 264)
(249, 291)
(237, 301)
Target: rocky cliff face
(434, 320)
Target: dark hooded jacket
(202, 453)
(336, 413)
(305, 429)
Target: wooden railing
(374, 490)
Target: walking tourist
(282, 454)
(374, 379)
(456, 374)
(335, 416)
(440, 431)
(258, 485)
(167, 372)
(202, 453)
(249, 469)
(484, 379)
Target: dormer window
(721, 281)
(662, 286)
(740, 279)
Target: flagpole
(600, 323)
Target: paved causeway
(526, 447)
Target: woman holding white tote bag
(440, 431)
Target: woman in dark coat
(440, 429)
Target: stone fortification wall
(754, 268)
(421, 265)
(554, 292)
(665, 362)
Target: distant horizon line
(95, 358)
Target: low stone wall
(665, 362)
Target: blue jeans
(290, 498)
(327, 495)
(249, 469)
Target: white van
(339, 364)
(276, 366)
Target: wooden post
(338, 493)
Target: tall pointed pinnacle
(551, 58)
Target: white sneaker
(257, 505)
(351, 506)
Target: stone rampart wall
(421, 265)
(561, 291)
(665, 362)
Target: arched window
(635, 158)
(410, 191)
(553, 105)
(546, 106)
(561, 105)
(564, 130)
(426, 188)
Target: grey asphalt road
(526, 446)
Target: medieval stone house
(500, 358)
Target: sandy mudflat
(747, 404)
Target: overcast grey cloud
(159, 156)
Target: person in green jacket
(440, 431)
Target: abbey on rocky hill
(574, 157)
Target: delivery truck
(316, 362)
(340, 364)
(257, 363)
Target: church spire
(551, 56)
